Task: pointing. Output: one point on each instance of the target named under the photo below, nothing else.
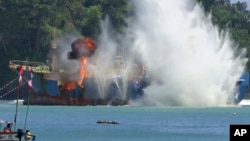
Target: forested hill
(27, 26)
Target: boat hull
(8, 136)
(12, 136)
(243, 88)
(47, 90)
(117, 92)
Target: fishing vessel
(52, 84)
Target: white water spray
(69, 66)
(193, 62)
(103, 58)
(106, 62)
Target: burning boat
(52, 85)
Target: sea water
(73, 123)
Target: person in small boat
(7, 129)
(28, 135)
(19, 134)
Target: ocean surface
(74, 123)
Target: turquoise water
(61, 123)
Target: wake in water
(191, 62)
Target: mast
(54, 54)
(17, 99)
(21, 74)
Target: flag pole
(17, 98)
(27, 110)
(21, 73)
(28, 99)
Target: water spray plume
(195, 63)
(104, 58)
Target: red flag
(21, 73)
(31, 76)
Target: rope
(8, 83)
(5, 94)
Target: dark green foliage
(235, 17)
(27, 27)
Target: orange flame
(83, 70)
(89, 43)
(83, 60)
(90, 46)
(68, 86)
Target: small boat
(7, 135)
(20, 101)
(8, 130)
(107, 122)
